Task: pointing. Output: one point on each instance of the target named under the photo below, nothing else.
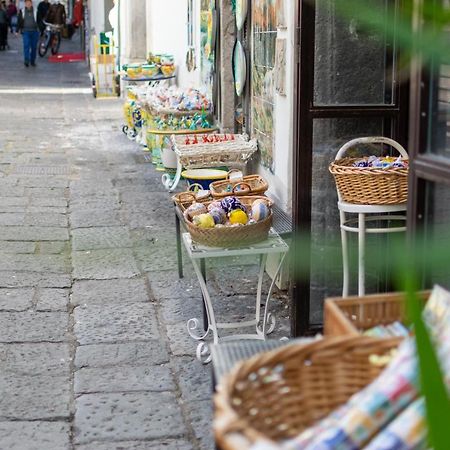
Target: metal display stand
(264, 323)
(168, 182)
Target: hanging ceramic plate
(239, 68)
(241, 13)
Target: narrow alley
(94, 350)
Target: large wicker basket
(247, 185)
(370, 186)
(276, 395)
(354, 315)
(231, 153)
(232, 236)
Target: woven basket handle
(244, 187)
(238, 171)
(195, 187)
(371, 140)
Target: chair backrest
(371, 140)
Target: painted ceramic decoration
(260, 210)
(239, 68)
(230, 203)
(241, 13)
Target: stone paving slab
(35, 359)
(122, 354)
(36, 435)
(124, 379)
(104, 264)
(120, 416)
(166, 444)
(33, 327)
(119, 322)
(34, 397)
(52, 299)
(105, 292)
(90, 217)
(100, 238)
(200, 415)
(34, 263)
(194, 378)
(33, 234)
(10, 279)
(53, 248)
(19, 299)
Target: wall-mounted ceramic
(241, 13)
(239, 68)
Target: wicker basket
(186, 198)
(276, 395)
(370, 186)
(248, 185)
(354, 315)
(214, 154)
(232, 236)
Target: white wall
(280, 181)
(167, 33)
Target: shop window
(344, 49)
(439, 117)
(264, 34)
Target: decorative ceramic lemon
(238, 216)
(204, 221)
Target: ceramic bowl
(204, 177)
(167, 60)
(149, 70)
(168, 70)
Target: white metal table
(264, 323)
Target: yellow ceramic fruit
(204, 221)
(238, 216)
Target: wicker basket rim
(230, 422)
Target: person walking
(42, 11)
(28, 26)
(12, 15)
(56, 13)
(3, 27)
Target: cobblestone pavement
(94, 352)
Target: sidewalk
(94, 349)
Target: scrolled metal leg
(203, 353)
(192, 326)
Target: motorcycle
(51, 38)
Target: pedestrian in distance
(28, 26)
(3, 27)
(42, 12)
(12, 15)
(56, 13)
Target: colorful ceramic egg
(194, 210)
(230, 203)
(219, 215)
(215, 204)
(204, 221)
(238, 216)
(260, 210)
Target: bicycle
(50, 39)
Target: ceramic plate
(239, 68)
(241, 13)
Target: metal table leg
(179, 253)
(205, 315)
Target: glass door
(348, 86)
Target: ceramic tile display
(264, 35)
(208, 36)
(280, 67)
